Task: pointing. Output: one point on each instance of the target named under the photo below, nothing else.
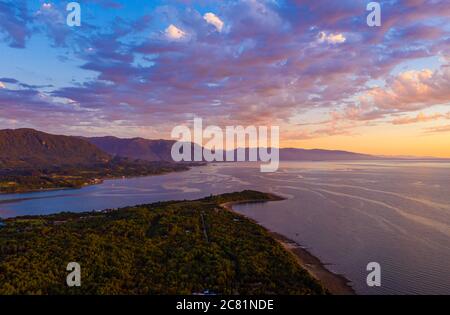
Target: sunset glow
(313, 68)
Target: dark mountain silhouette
(160, 150)
(28, 148)
(292, 154)
(135, 148)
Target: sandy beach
(335, 284)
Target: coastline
(336, 284)
(220, 238)
(97, 182)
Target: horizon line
(386, 156)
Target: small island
(176, 247)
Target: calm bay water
(346, 213)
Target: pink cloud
(412, 90)
(421, 117)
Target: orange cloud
(173, 32)
(331, 38)
(412, 90)
(214, 20)
(421, 117)
(438, 129)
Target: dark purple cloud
(14, 19)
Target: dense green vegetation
(179, 247)
(29, 179)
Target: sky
(313, 67)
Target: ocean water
(347, 213)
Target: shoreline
(336, 284)
(99, 182)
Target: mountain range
(135, 148)
(159, 150)
(21, 148)
(28, 148)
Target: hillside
(177, 247)
(22, 148)
(28, 148)
(135, 148)
(159, 150)
(31, 160)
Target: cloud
(14, 22)
(438, 129)
(421, 117)
(262, 70)
(413, 89)
(213, 19)
(331, 38)
(51, 20)
(173, 32)
(21, 85)
(266, 68)
(2, 85)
